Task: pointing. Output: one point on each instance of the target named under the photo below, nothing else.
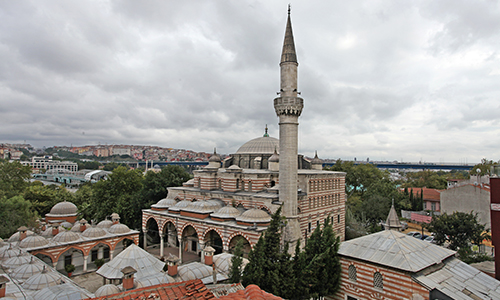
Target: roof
(64, 208)
(192, 289)
(458, 280)
(250, 292)
(135, 257)
(260, 145)
(392, 219)
(396, 250)
(288, 53)
(429, 194)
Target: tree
(483, 168)
(44, 197)
(459, 229)
(236, 263)
(15, 212)
(120, 194)
(13, 178)
(156, 184)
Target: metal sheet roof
(396, 250)
(135, 257)
(456, 279)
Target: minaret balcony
(288, 105)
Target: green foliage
(236, 263)
(156, 184)
(13, 178)
(43, 197)
(14, 213)
(459, 230)
(113, 165)
(369, 193)
(483, 167)
(120, 194)
(69, 268)
(314, 272)
(99, 262)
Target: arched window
(249, 186)
(378, 280)
(220, 184)
(199, 183)
(338, 218)
(352, 273)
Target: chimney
(172, 262)
(209, 255)
(22, 232)
(115, 218)
(83, 225)
(43, 225)
(128, 278)
(495, 221)
(55, 229)
(3, 285)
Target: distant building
(467, 198)
(46, 162)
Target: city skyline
(386, 80)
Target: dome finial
(289, 8)
(266, 134)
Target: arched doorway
(170, 235)
(190, 240)
(213, 239)
(72, 256)
(152, 235)
(246, 245)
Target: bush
(99, 262)
(69, 268)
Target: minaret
(288, 108)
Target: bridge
(381, 165)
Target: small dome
(42, 280)
(234, 167)
(65, 237)
(105, 224)
(16, 261)
(226, 212)
(214, 158)
(93, 232)
(275, 157)
(118, 229)
(184, 204)
(27, 270)
(15, 237)
(107, 289)
(261, 145)
(66, 225)
(63, 209)
(8, 252)
(164, 203)
(204, 206)
(47, 233)
(76, 227)
(316, 160)
(33, 241)
(254, 215)
(59, 292)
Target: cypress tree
(236, 263)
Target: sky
(384, 80)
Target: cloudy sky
(388, 80)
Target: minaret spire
(288, 53)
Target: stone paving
(89, 281)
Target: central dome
(261, 145)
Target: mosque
(234, 198)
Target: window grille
(352, 273)
(378, 281)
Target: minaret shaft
(288, 108)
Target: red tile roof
(189, 290)
(429, 194)
(252, 292)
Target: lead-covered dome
(66, 237)
(118, 229)
(93, 232)
(64, 208)
(107, 289)
(164, 203)
(226, 212)
(33, 241)
(261, 145)
(254, 215)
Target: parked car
(414, 234)
(429, 239)
(405, 225)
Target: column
(180, 250)
(111, 254)
(161, 243)
(202, 247)
(145, 241)
(54, 263)
(85, 257)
